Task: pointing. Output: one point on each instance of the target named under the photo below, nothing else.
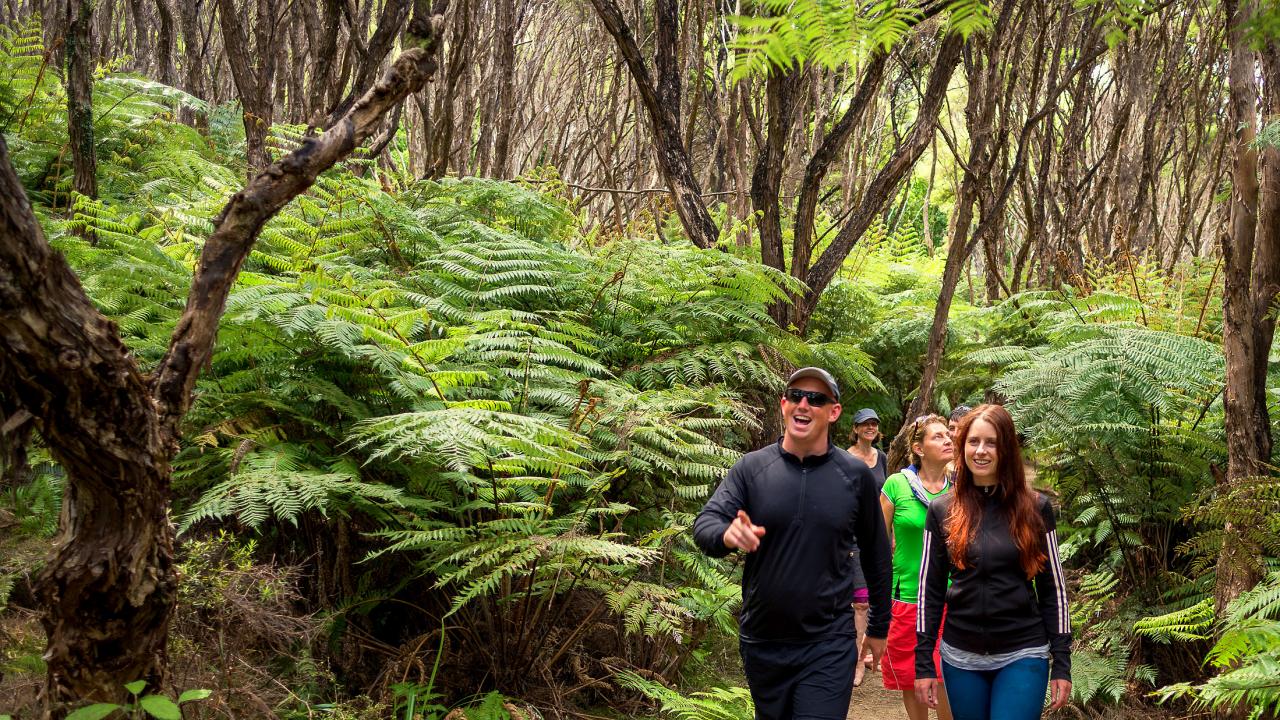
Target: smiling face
(869, 430)
(981, 455)
(935, 446)
(804, 425)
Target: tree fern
(1247, 656)
(716, 704)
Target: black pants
(811, 681)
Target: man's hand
(1061, 693)
(876, 646)
(927, 691)
(742, 534)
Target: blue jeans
(1014, 692)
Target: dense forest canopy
(370, 358)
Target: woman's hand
(1060, 689)
(927, 691)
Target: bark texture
(253, 70)
(79, 55)
(1251, 281)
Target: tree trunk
(677, 168)
(164, 43)
(389, 23)
(16, 425)
(110, 589)
(192, 57)
(141, 25)
(252, 76)
(766, 180)
(504, 68)
(1251, 279)
(84, 157)
(322, 39)
(886, 181)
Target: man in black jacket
(796, 508)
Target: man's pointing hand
(742, 534)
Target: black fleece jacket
(991, 605)
(798, 585)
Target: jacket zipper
(983, 586)
(804, 481)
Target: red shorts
(898, 666)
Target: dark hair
(959, 412)
(1015, 497)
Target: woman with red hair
(995, 539)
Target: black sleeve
(935, 568)
(1051, 590)
(720, 510)
(876, 558)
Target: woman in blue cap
(866, 432)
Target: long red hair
(1015, 497)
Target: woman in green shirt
(905, 502)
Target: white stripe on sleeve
(920, 589)
(1060, 585)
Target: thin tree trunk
(80, 97)
(141, 25)
(676, 166)
(252, 76)
(389, 23)
(164, 43)
(766, 180)
(322, 39)
(886, 181)
(505, 74)
(192, 58)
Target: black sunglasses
(815, 398)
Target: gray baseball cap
(816, 373)
(864, 415)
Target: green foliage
(516, 418)
(830, 34)
(1190, 623)
(149, 705)
(37, 504)
(1246, 656)
(1119, 390)
(1120, 408)
(715, 704)
(1252, 505)
(882, 305)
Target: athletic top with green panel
(908, 535)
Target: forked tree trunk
(110, 588)
(253, 69)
